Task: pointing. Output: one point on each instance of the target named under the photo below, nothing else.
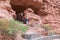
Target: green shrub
(12, 26)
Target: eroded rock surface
(34, 22)
(6, 11)
(52, 8)
(49, 11)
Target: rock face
(34, 22)
(48, 10)
(6, 11)
(52, 8)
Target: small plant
(51, 32)
(46, 27)
(49, 29)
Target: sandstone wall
(49, 10)
(52, 8)
(6, 11)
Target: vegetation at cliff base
(12, 26)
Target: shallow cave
(20, 5)
(19, 9)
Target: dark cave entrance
(19, 9)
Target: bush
(4, 24)
(12, 26)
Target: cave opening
(20, 9)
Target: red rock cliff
(49, 10)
